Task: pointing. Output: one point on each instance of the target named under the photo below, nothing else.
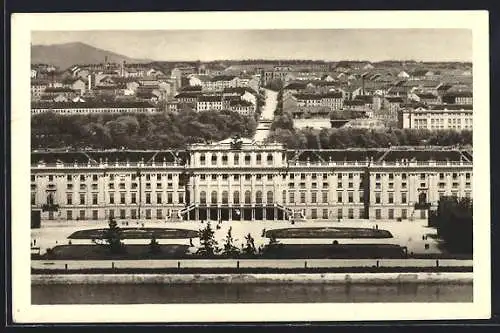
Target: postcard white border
(23, 24)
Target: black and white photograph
(250, 166)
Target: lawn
(328, 232)
(334, 251)
(98, 252)
(137, 233)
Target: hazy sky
(351, 44)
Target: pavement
(406, 233)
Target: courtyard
(414, 235)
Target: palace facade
(245, 180)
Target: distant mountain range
(68, 54)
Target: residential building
(438, 117)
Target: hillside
(65, 55)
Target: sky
(329, 45)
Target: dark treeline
(339, 138)
(453, 220)
(137, 131)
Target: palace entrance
(240, 213)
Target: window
(391, 176)
(339, 213)
(69, 186)
(133, 198)
(350, 213)
(391, 213)
(248, 197)
(203, 197)
(82, 178)
(202, 159)
(325, 185)
(225, 197)
(148, 177)
(111, 198)
(403, 214)
(302, 185)
(94, 178)
(122, 214)
(213, 197)
(269, 159)
(94, 198)
(302, 197)
(159, 214)
(441, 176)
(33, 198)
(391, 197)
(133, 214)
(69, 198)
(422, 176)
(82, 215)
(377, 197)
(291, 197)
(248, 177)
(236, 197)
(158, 197)
(403, 197)
(180, 198)
(324, 214)
(270, 197)
(455, 175)
(170, 198)
(122, 198)
(148, 198)
(134, 186)
(148, 214)
(82, 199)
(314, 197)
(224, 159)
(68, 178)
(361, 213)
(403, 185)
(269, 177)
(258, 177)
(403, 176)
(324, 197)
(247, 159)
(314, 213)
(69, 214)
(258, 158)
(339, 196)
(350, 197)
(361, 197)
(236, 160)
(214, 177)
(377, 176)
(202, 177)
(111, 186)
(467, 175)
(378, 214)
(339, 185)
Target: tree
(454, 223)
(249, 247)
(154, 247)
(229, 248)
(112, 237)
(207, 240)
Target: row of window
(158, 214)
(82, 198)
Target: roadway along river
(249, 293)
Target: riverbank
(324, 278)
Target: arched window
(247, 159)
(225, 197)
(214, 197)
(258, 157)
(248, 198)
(422, 198)
(202, 159)
(203, 197)
(270, 197)
(258, 197)
(236, 197)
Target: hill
(65, 55)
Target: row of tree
(338, 138)
(137, 131)
(454, 223)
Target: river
(249, 293)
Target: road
(267, 115)
(246, 263)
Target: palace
(246, 180)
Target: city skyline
(328, 45)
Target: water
(250, 293)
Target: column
(275, 213)
(264, 213)
(253, 213)
(218, 214)
(197, 214)
(230, 214)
